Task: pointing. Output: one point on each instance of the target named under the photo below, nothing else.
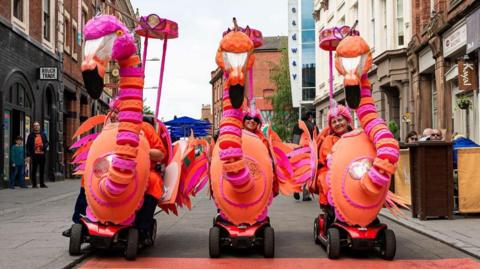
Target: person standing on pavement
(308, 119)
(37, 146)
(17, 160)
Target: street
(33, 219)
(186, 237)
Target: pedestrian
(426, 135)
(412, 137)
(17, 161)
(308, 118)
(436, 135)
(37, 146)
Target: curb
(431, 234)
(78, 260)
(49, 200)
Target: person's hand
(13, 165)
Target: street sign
(48, 73)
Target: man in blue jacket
(37, 146)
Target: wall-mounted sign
(48, 73)
(467, 75)
(455, 40)
(294, 51)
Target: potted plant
(463, 102)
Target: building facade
(267, 57)
(217, 81)
(78, 106)
(30, 78)
(206, 113)
(40, 79)
(386, 26)
(301, 53)
(440, 49)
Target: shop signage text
(48, 73)
(467, 75)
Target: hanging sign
(467, 75)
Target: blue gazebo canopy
(180, 127)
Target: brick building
(30, 78)
(40, 80)
(386, 27)
(206, 113)
(78, 106)
(445, 32)
(266, 58)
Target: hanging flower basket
(463, 103)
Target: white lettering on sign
(48, 73)
(466, 74)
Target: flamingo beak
(235, 63)
(352, 70)
(97, 53)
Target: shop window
(434, 104)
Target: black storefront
(31, 90)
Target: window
(18, 9)
(354, 13)
(400, 26)
(19, 14)
(66, 32)
(384, 9)
(267, 93)
(372, 21)
(308, 94)
(46, 20)
(74, 40)
(434, 102)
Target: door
(6, 144)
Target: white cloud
(191, 57)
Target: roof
(273, 43)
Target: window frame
(397, 25)
(25, 24)
(66, 31)
(74, 44)
(49, 43)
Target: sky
(191, 57)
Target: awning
(452, 73)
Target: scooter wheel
(76, 237)
(132, 244)
(268, 242)
(389, 245)
(316, 229)
(214, 242)
(333, 243)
